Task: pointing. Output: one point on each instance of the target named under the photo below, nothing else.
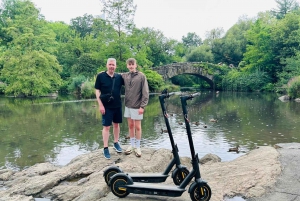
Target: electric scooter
(122, 184)
(178, 174)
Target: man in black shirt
(108, 93)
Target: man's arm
(98, 93)
(101, 106)
(145, 93)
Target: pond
(59, 129)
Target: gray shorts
(133, 114)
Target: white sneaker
(129, 150)
(138, 152)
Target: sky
(175, 18)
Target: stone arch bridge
(203, 70)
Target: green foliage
(155, 80)
(212, 36)
(284, 7)
(159, 49)
(2, 87)
(259, 55)
(232, 46)
(32, 49)
(294, 87)
(86, 66)
(76, 84)
(120, 14)
(202, 53)
(33, 74)
(191, 40)
(82, 25)
(269, 87)
(241, 81)
(291, 69)
(88, 89)
(29, 68)
(286, 44)
(170, 87)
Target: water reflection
(57, 130)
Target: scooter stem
(186, 120)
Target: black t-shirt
(104, 83)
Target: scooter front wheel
(179, 175)
(202, 194)
(110, 172)
(117, 186)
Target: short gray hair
(111, 59)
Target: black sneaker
(117, 147)
(106, 153)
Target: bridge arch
(198, 69)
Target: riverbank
(251, 176)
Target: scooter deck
(148, 177)
(154, 189)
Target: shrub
(2, 87)
(169, 87)
(243, 81)
(88, 90)
(76, 83)
(269, 87)
(155, 80)
(294, 87)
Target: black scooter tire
(195, 195)
(179, 175)
(115, 184)
(109, 173)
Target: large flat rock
(250, 175)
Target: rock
(297, 99)
(211, 158)
(82, 179)
(5, 174)
(284, 98)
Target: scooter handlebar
(190, 96)
(195, 94)
(171, 94)
(166, 94)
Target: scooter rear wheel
(117, 184)
(203, 195)
(109, 173)
(179, 175)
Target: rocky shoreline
(250, 175)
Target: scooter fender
(181, 166)
(112, 168)
(126, 175)
(194, 184)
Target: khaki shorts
(133, 114)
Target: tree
(82, 25)
(285, 35)
(192, 39)
(212, 35)
(259, 55)
(85, 65)
(232, 46)
(120, 14)
(160, 49)
(29, 68)
(137, 42)
(200, 54)
(33, 74)
(292, 69)
(154, 79)
(284, 7)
